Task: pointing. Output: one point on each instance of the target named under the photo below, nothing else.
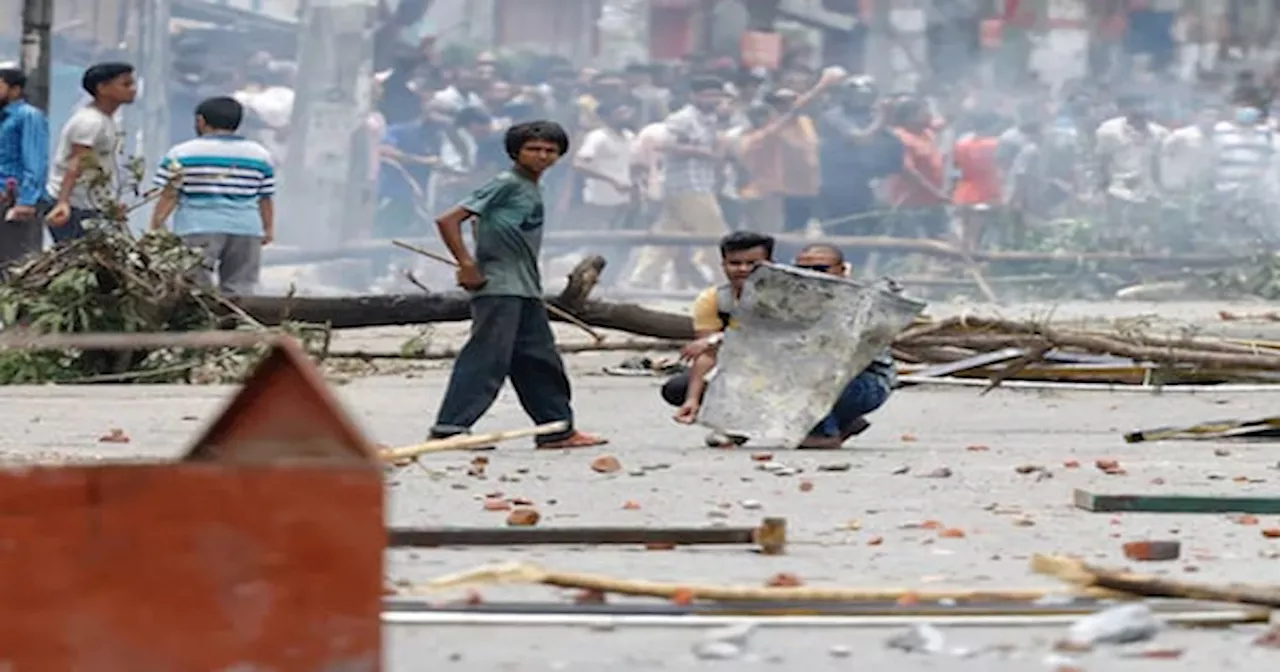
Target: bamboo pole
(469, 441)
(515, 572)
(1080, 574)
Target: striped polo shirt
(220, 179)
(1246, 154)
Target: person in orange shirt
(979, 186)
(918, 190)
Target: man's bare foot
(575, 440)
(686, 414)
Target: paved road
(920, 429)
(1006, 516)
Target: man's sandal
(575, 440)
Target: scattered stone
(750, 504)
(637, 472)
(606, 464)
(114, 435)
(1023, 521)
(922, 638)
(789, 471)
(589, 596)
(875, 541)
(835, 466)
(1152, 551)
(1155, 654)
(1122, 624)
(1245, 519)
(1269, 639)
(521, 501)
(1028, 468)
(772, 466)
(1221, 452)
(1271, 533)
(908, 438)
(1071, 464)
(901, 470)
(977, 448)
(940, 472)
(806, 486)
(952, 533)
(717, 513)
(728, 643)
(524, 517)
(661, 546)
(839, 651)
(495, 504)
(631, 505)
(761, 457)
(784, 580)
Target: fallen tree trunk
(345, 312)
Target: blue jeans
(862, 395)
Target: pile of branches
(109, 281)
(960, 338)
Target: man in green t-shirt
(510, 333)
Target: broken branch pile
(1001, 349)
(109, 281)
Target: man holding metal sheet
(713, 310)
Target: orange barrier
(262, 550)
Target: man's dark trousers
(510, 338)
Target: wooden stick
(516, 572)
(634, 345)
(1078, 573)
(551, 308)
(468, 441)
(18, 339)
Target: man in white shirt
(605, 161)
(83, 177)
(610, 195)
(1187, 155)
(1128, 150)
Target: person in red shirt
(917, 192)
(979, 186)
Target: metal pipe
(1206, 617)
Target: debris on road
(1122, 624)
(922, 638)
(1152, 551)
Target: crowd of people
(708, 146)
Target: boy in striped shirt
(218, 188)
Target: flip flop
(575, 440)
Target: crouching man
(713, 310)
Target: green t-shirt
(508, 235)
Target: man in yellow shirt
(740, 253)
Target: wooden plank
(1174, 503)
(1220, 429)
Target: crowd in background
(706, 145)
